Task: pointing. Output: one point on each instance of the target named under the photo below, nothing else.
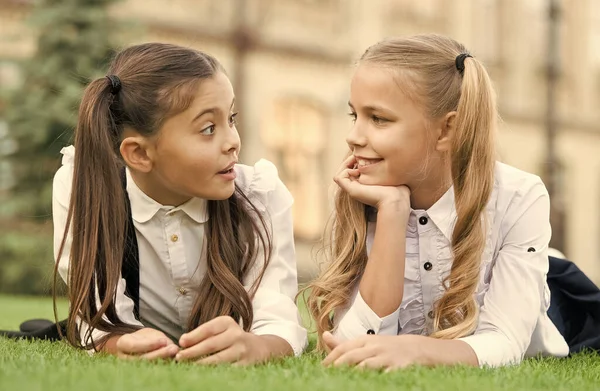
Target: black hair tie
(115, 84)
(460, 61)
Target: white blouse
(513, 294)
(172, 255)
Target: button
(174, 238)
(182, 291)
(531, 250)
(423, 220)
(427, 266)
(430, 314)
(370, 331)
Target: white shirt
(512, 294)
(173, 259)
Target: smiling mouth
(361, 162)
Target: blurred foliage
(26, 259)
(74, 46)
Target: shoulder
(61, 188)
(522, 197)
(263, 187)
(512, 183)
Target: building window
(295, 142)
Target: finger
(375, 362)
(347, 183)
(132, 344)
(353, 172)
(208, 346)
(355, 356)
(209, 329)
(331, 341)
(397, 366)
(349, 162)
(229, 355)
(168, 351)
(342, 348)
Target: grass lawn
(26, 366)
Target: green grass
(40, 366)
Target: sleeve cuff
(361, 319)
(491, 350)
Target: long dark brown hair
(158, 81)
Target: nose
(356, 137)
(232, 143)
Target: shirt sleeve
(61, 193)
(515, 298)
(275, 311)
(359, 319)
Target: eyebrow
(212, 110)
(371, 108)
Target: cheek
(184, 164)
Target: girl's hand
(373, 195)
(376, 351)
(222, 340)
(147, 344)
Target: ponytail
(472, 165)
(96, 221)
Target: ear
(134, 150)
(447, 132)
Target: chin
(216, 194)
(373, 180)
(224, 193)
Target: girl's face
(194, 152)
(391, 137)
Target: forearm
(437, 352)
(274, 347)
(110, 346)
(382, 284)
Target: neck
(155, 190)
(426, 193)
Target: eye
(233, 119)
(378, 120)
(209, 130)
(353, 116)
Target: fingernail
(178, 356)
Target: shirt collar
(443, 212)
(144, 208)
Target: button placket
(178, 262)
(429, 275)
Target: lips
(365, 162)
(228, 169)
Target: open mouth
(228, 169)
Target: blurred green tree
(74, 45)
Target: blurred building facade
(291, 62)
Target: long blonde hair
(430, 64)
